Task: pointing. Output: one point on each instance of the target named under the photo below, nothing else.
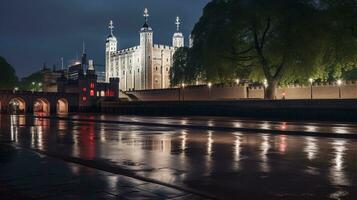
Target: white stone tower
(111, 46)
(146, 46)
(178, 39)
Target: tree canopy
(8, 78)
(31, 82)
(281, 41)
(182, 70)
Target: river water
(223, 164)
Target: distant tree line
(276, 41)
(9, 80)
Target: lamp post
(16, 89)
(265, 85)
(237, 81)
(311, 82)
(183, 91)
(209, 90)
(339, 83)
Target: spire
(146, 15)
(111, 27)
(84, 48)
(178, 23)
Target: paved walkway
(29, 175)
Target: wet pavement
(222, 164)
(28, 175)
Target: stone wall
(191, 93)
(319, 91)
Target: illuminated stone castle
(146, 66)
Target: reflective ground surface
(223, 164)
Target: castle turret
(146, 46)
(178, 39)
(111, 46)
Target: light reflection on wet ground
(225, 164)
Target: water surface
(228, 165)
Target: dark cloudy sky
(37, 31)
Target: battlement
(163, 47)
(127, 50)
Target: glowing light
(339, 82)
(265, 82)
(91, 93)
(209, 84)
(284, 126)
(237, 81)
(311, 80)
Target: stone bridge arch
(16, 105)
(41, 105)
(62, 106)
(50, 102)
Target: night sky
(36, 31)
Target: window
(123, 72)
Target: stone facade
(146, 66)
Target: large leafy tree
(8, 78)
(281, 41)
(341, 50)
(182, 70)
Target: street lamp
(311, 82)
(265, 83)
(339, 83)
(183, 91)
(16, 89)
(209, 90)
(237, 81)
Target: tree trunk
(271, 90)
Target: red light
(84, 89)
(111, 94)
(91, 85)
(91, 93)
(84, 98)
